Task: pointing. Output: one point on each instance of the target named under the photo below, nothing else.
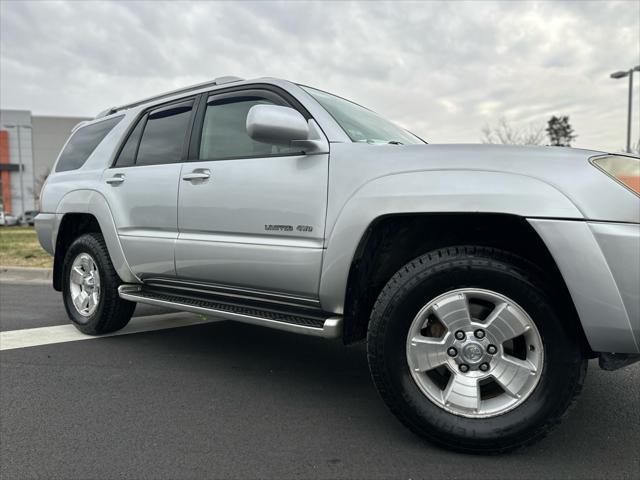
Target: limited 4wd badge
(288, 228)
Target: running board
(314, 324)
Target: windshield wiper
(375, 141)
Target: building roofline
(63, 117)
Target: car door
(143, 188)
(250, 214)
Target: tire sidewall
(561, 354)
(87, 324)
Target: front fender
(599, 263)
(94, 203)
(439, 191)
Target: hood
(567, 170)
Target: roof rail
(198, 86)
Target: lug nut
(464, 368)
(491, 349)
(484, 367)
(479, 333)
(460, 335)
(452, 352)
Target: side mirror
(284, 126)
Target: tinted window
(224, 131)
(127, 155)
(82, 144)
(164, 135)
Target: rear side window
(82, 144)
(128, 153)
(165, 131)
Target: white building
(29, 145)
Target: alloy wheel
(474, 353)
(84, 283)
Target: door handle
(117, 179)
(197, 175)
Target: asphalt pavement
(226, 400)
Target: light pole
(21, 168)
(622, 74)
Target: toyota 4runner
(481, 277)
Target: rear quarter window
(82, 144)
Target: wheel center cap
(472, 352)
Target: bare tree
(39, 183)
(505, 133)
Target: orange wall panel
(5, 176)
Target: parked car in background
(482, 277)
(28, 217)
(8, 220)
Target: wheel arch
(424, 192)
(71, 226)
(85, 211)
(391, 241)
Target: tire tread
(114, 312)
(407, 278)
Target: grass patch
(19, 247)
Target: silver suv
(481, 277)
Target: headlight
(625, 170)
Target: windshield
(361, 124)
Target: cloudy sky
(442, 69)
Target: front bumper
(600, 263)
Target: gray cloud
(442, 70)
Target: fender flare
(94, 203)
(429, 192)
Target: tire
(490, 418)
(105, 312)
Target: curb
(25, 274)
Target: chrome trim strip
(332, 326)
(232, 292)
(264, 240)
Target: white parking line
(33, 337)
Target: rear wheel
(90, 288)
(469, 351)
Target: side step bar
(307, 324)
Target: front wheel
(469, 351)
(90, 288)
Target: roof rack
(217, 81)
